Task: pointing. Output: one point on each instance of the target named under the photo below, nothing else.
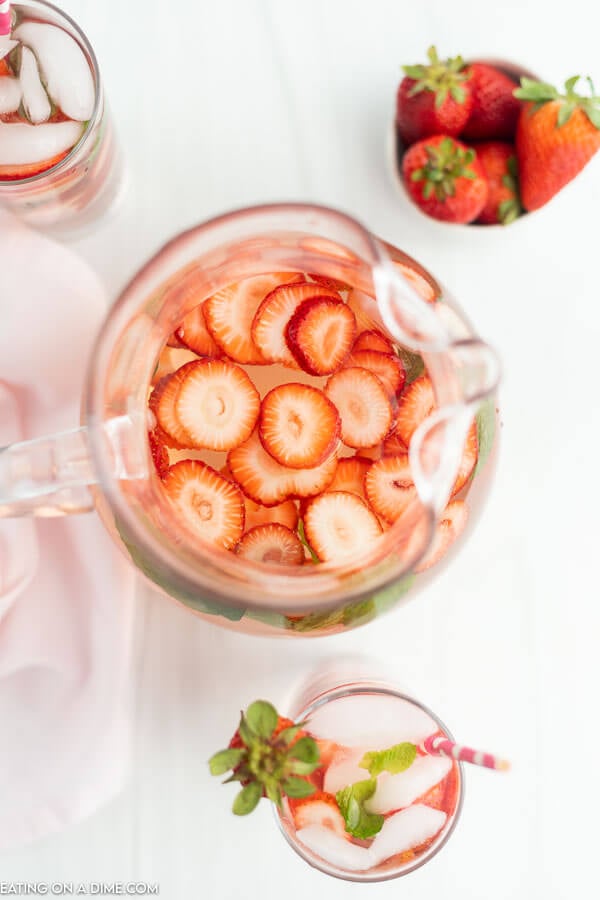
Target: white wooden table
(225, 104)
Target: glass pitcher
(106, 463)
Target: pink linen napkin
(66, 596)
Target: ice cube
(397, 791)
(335, 849)
(22, 144)
(344, 770)
(64, 68)
(405, 830)
(374, 721)
(10, 94)
(35, 99)
(6, 45)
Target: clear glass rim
(96, 112)
(380, 687)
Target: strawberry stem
(445, 163)
(539, 93)
(443, 78)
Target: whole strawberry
(499, 161)
(557, 135)
(270, 757)
(433, 99)
(495, 109)
(445, 179)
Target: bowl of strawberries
(485, 142)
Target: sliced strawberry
(373, 339)
(320, 334)
(174, 342)
(273, 315)
(310, 482)
(160, 454)
(469, 459)
(285, 513)
(4, 67)
(298, 425)
(216, 404)
(261, 477)
(389, 487)
(171, 359)
(320, 809)
(370, 452)
(229, 314)
(350, 475)
(28, 170)
(339, 525)
(394, 446)
(272, 544)
(162, 403)
(386, 366)
(194, 334)
(363, 405)
(416, 403)
(212, 506)
(448, 529)
(365, 311)
(331, 283)
(421, 285)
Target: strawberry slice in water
(298, 425)
(340, 526)
(285, 513)
(350, 475)
(162, 403)
(373, 339)
(386, 366)
(416, 403)
(273, 544)
(389, 487)
(319, 809)
(160, 454)
(448, 529)
(363, 405)
(320, 334)
(193, 334)
(212, 506)
(216, 404)
(469, 459)
(230, 312)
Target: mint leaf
(412, 362)
(486, 430)
(247, 799)
(302, 536)
(351, 800)
(297, 787)
(224, 760)
(394, 760)
(262, 718)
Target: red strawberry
(363, 405)
(162, 403)
(445, 179)
(416, 403)
(332, 283)
(274, 313)
(495, 108)
(394, 446)
(229, 313)
(373, 340)
(267, 482)
(350, 475)
(320, 809)
(194, 334)
(298, 425)
(270, 756)
(271, 544)
(216, 404)
(15, 173)
(386, 366)
(448, 529)
(389, 487)
(171, 359)
(499, 161)
(160, 454)
(557, 135)
(285, 513)
(469, 459)
(340, 526)
(433, 99)
(4, 67)
(212, 506)
(320, 334)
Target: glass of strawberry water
(382, 806)
(60, 167)
(287, 425)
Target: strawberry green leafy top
(443, 78)
(445, 163)
(539, 93)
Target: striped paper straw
(5, 17)
(438, 745)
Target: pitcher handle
(52, 476)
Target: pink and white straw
(5, 18)
(438, 745)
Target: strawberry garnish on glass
(557, 135)
(433, 99)
(269, 756)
